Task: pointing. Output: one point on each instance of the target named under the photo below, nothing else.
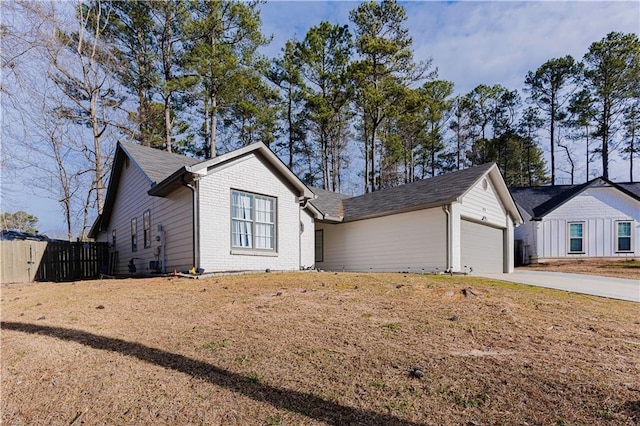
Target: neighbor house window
(253, 221)
(623, 235)
(146, 225)
(576, 237)
(319, 245)
(134, 236)
(113, 239)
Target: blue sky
(473, 42)
(470, 43)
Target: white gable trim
(202, 169)
(502, 191)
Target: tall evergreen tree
(462, 127)
(129, 28)
(285, 73)
(551, 87)
(612, 70)
(222, 38)
(528, 127)
(581, 123)
(324, 56)
(385, 68)
(631, 125)
(438, 106)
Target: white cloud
(498, 42)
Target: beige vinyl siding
(414, 241)
(483, 205)
(248, 174)
(598, 209)
(307, 252)
(172, 212)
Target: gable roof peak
(156, 164)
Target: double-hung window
(253, 221)
(576, 237)
(623, 236)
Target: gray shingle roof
(538, 201)
(421, 194)
(156, 163)
(633, 187)
(329, 203)
(528, 198)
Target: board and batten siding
(413, 242)
(253, 175)
(174, 213)
(598, 209)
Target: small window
(134, 236)
(113, 239)
(623, 236)
(319, 245)
(576, 237)
(146, 225)
(253, 221)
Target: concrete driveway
(614, 288)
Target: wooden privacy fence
(63, 261)
(24, 261)
(19, 260)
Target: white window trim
(569, 237)
(253, 251)
(616, 239)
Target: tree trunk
(213, 123)
(605, 141)
(632, 149)
(587, 130)
(167, 122)
(366, 156)
(553, 139)
(290, 123)
(98, 167)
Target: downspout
(194, 219)
(445, 208)
(300, 230)
(302, 207)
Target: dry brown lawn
(316, 348)
(629, 269)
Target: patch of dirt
(629, 269)
(314, 349)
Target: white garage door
(481, 247)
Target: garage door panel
(481, 247)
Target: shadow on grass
(305, 404)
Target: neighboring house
(461, 221)
(7, 235)
(240, 211)
(598, 219)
